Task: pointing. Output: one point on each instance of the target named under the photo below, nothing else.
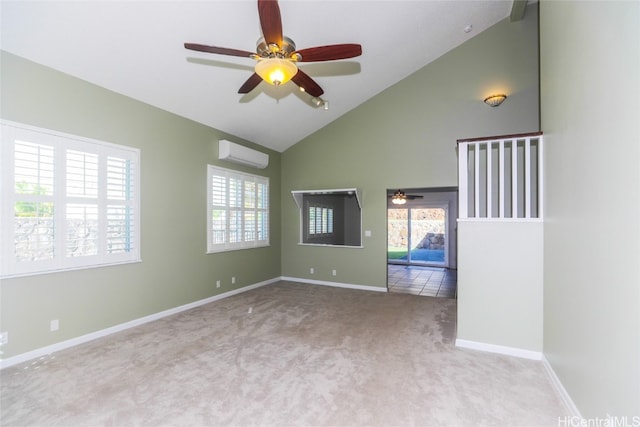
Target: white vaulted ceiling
(136, 48)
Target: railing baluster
(522, 191)
(502, 199)
(540, 180)
(463, 181)
(489, 180)
(476, 192)
(514, 178)
(527, 178)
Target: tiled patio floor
(424, 281)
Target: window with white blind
(320, 220)
(237, 210)
(67, 202)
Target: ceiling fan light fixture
(399, 198)
(276, 71)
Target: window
(237, 210)
(320, 220)
(67, 202)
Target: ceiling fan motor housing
(274, 51)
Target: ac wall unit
(240, 154)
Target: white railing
(500, 177)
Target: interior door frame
(434, 196)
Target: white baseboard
(43, 351)
(492, 348)
(335, 284)
(557, 384)
(527, 354)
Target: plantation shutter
(238, 210)
(67, 202)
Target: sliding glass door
(417, 235)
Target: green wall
(590, 91)
(405, 137)
(175, 269)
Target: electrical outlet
(54, 325)
(334, 272)
(217, 283)
(233, 280)
(4, 338)
(311, 270)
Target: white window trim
(9, 267)
(245, 177)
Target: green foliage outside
(32, 209)
(396, 253)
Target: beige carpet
(284, 354)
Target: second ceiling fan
(277, 54)
(400, 197)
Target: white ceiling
(136, 48)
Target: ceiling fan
(276, 55)
(400, 197)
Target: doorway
(421, 242)
(422, 230)
(418, 235)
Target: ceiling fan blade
(303, 80)
(250, 84)
(219, 50)
(330, 52)
(270, 21)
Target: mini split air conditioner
(240, 154)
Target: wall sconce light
(495, 100)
